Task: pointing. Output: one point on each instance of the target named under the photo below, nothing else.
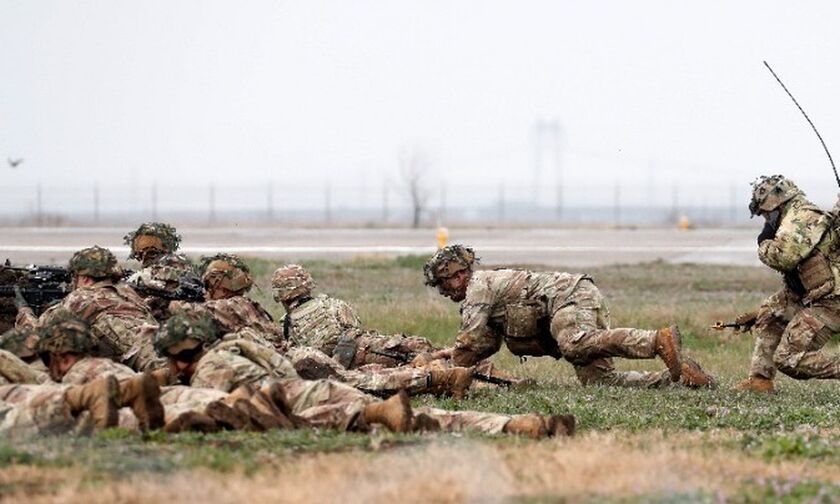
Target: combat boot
(561, 425)
(531, 425)
(453, 381)
(142, 395)
(423, 422)
(394, 413)
(227, 416)
(668, 347)
(265, 413)
(100, 397)
(191, 421)
(693, 375)
(756, 384)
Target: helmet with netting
(290, 282)
(227, 271)
(64, 332)
(771, 192)
(185, 326)
(22, 342)
(448, 261)
(96, 262)
(157, 237)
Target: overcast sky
(245, 92)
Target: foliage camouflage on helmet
(183, 326)
(771, 192)
(291, 281)
(65, 333)
(169, 238)
(96, 262)
(22, 342)
(228, 271)
(448, 261)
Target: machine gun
(743, 322)
(40, 286)
(190, 289)
(407, 357)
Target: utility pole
(269, 197)
(617, 204)
(154, 201)
(96, 203)
(39, 209)
(212, 198)
(384, 200)
(327, 203)
(442, 209)
(501, 215)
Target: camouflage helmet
(291, 281)
(95, 262)
(769, 193)
(184, 326)
(22, 342)
(227, 271)
(65, 333)
(448, 261)
(158, 236)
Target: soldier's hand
(20, 301)
(422, 360)
(746, 321)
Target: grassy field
(669, 445)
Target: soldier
(19, 360)
(553, 313)
(121, 324)
(165, 274)
(226, 279)
(799, 241)
(198, 357)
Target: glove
(767, 233)
(20, 301)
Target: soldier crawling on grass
(555, 314)
(800, 241)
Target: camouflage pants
(466, 421)
(399, 344)
(373, 378)
(128, 341)
(179, 399)
(581, 327)
(29, 410)
(15, 370)
(790, 336)
(325, 403)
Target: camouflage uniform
(164, 275)
(19, 361)
(795, 323)
(121, 323)
(234, 314)
(30, 410)
(15, 370)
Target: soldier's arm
(799, 232)
(213, 372)
(475, 341)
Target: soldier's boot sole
(530, 425)
(100, 397)
(756, 384)
(668, 348)
(394, 413)
(561, 425)
(142, 395)
(191, 421)
(423, 422)
(227, 416)
(693, 375)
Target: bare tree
(414, 166)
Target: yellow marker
(684, 223)
(442, 237)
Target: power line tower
(548, 139)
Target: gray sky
(245, 92)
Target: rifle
(189, 289)
(741, 322)
(40, 286)
(407, 357)
(720, 325)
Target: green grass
(799, 423)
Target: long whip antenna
(836, 177)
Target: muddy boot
(191, 421)
(453, 381)
(142, 395)
(424, 423)
(227, 416)
(262, 400)
(693, 375)
(394, 413)
(561, 425)
(531, 425)
(100, 397)
(668, 346)
(756, 384)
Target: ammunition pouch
(816, 277)
(527, 330)
(345, 351)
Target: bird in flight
(14, 162)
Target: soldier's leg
(375, 348)
(773, 316)
(602, 372)
(324, 403)
(532, 425)
(799, 354)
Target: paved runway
(552, 247)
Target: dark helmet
(184, 326)
(95, 262)
(448, 261)
(228, 271)
(64, 333)
(156, 237)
